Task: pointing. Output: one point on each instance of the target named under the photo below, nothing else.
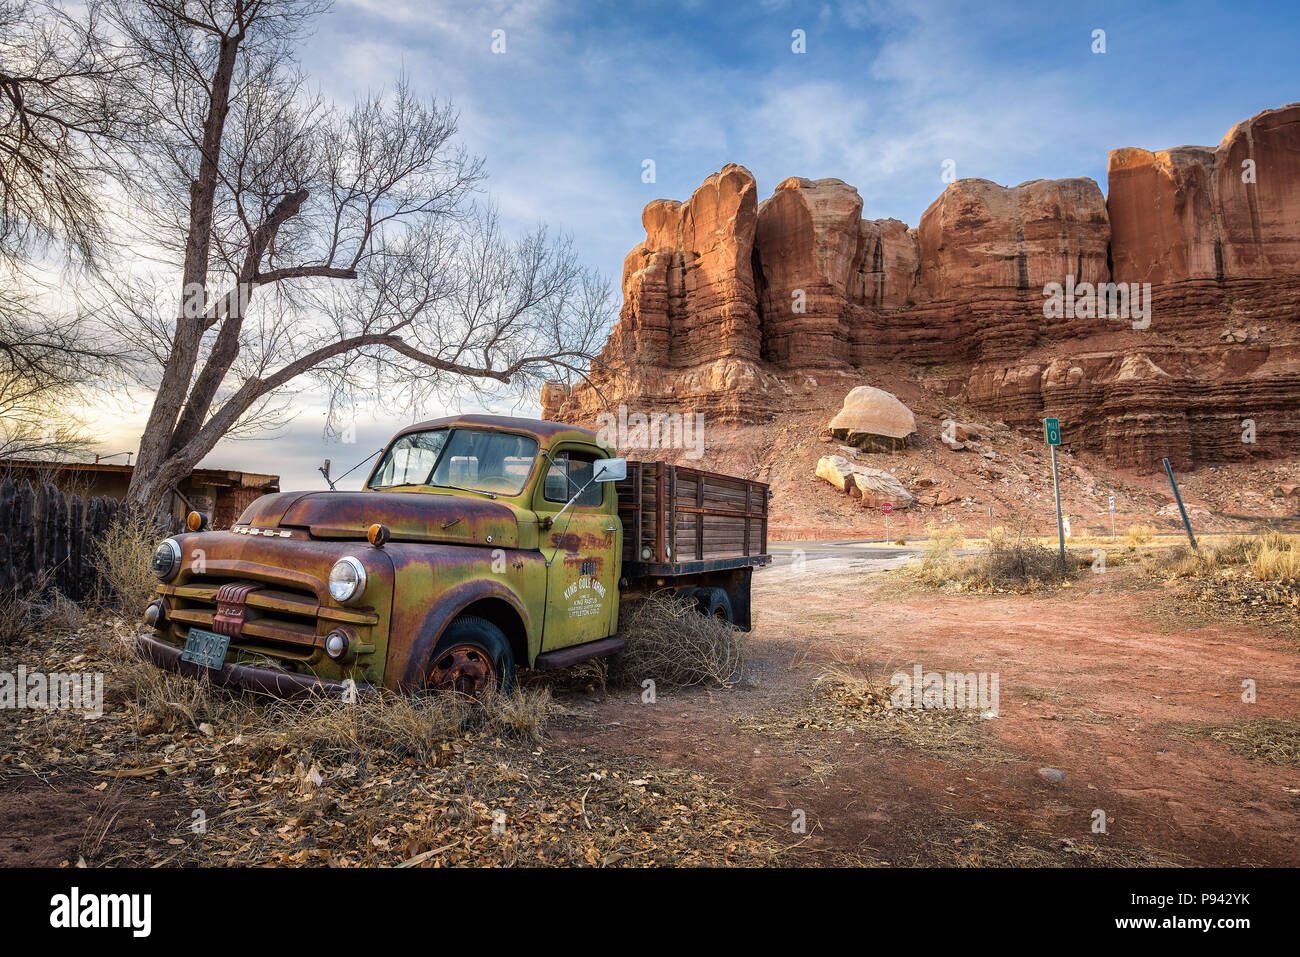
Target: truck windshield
(494, 462)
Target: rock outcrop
(873, 487)
(1195, 212)
(736, 308)
(979, 235)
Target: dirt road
(1104, 682)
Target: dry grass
(847, 708)
(1277, 558)
(1267, 556)
(1141, 535)
(414, 726)
(671, 643)
(124, 552)
(1276, 740)
(15, 618)
(48, 609)
(1014, 561)
(389, 780)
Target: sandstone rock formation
(1195, 212)
(873, 419)
(978, 235)
(736, 308)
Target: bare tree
(42, 365)
(59, 123)
(314, 245)
(59, 119)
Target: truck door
(582, 546)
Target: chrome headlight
(347, 580)
(166, 561)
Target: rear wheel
(713, 603)
(473, 658)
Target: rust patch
(466, 669)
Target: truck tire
(472, 657)
(713, 603)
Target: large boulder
(873, 419)
(873, 486)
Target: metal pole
(1060, 522)
(1179, 499)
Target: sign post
(1112, 517)
(1052, 427)
(886, 507)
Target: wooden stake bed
(680, 520)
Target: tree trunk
(154, 473)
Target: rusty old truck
(478, 544)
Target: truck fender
(450, 604)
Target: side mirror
(609, 470)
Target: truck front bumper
(268, 681)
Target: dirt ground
(1105, 682)
(1095, 682)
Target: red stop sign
(886, 508)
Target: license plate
(205, 648)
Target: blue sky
(886, 92)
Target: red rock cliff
(736, 308)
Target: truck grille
(277, 619)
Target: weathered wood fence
(48, 540)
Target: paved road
(852, 554)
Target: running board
(564, 657)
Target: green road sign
(1053, 427)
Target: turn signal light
(196, 521)
(377, 535)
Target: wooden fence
(48, 540)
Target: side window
(569, 472)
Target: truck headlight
(166, 561)
(347, 580)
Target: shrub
(1141, 535)
(671, 643)
(124, 551)
(1013, 560)
(940, 561)
(1277, 558)
(47, 608)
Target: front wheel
(472, 658)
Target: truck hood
(410, 516)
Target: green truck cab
(479, 544)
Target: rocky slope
(741, 310)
